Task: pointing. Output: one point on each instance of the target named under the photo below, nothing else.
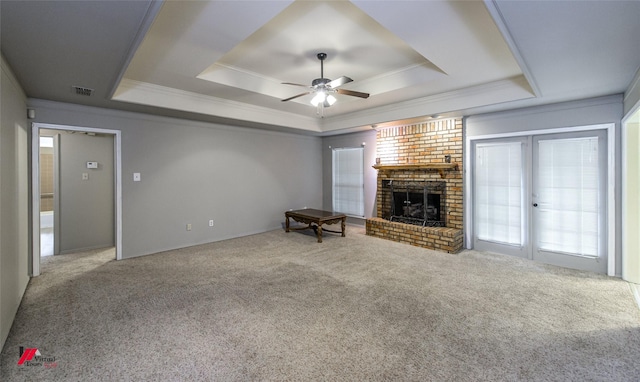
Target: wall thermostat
(92, 164)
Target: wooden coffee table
(315, 219)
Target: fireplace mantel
(440, 167)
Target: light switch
(92, 164)
(136, 176)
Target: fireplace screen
(415, 202)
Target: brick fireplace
(419, 191)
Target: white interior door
(569, 200)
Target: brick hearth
(417, 153)
(441, 239)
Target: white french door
(500, 185)
(543, 197)
(569, 200)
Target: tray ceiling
(224, 61)
(197, 57)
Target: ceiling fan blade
(296, 96)
(339, 82)
(352, 93)
(294, 84)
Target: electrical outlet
(210, 223)
(189, 227)
(85, 176)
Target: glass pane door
(569, 200)
(499, 196)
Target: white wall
(631, 204)
(191, 172)
(631, 175)
(594, 111)
(14, 172)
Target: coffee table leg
(286, 224)
(319, 234)
(343, 223)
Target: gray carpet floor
(279, 306)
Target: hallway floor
(46, 233)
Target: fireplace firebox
(414, 202)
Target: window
(348, 181)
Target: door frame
(611, 184)
(35, 184)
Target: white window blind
(568, 196)
(499, 192)
(348, 181)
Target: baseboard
(76, 250)
(635, 289)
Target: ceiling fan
(324, 87)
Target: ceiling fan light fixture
(319, 98)
(323, 98)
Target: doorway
(48, 160)
(82, 185)
(544, 197)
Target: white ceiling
(226, 60)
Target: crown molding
(162, 96)
(451, 103)
(6, 68)
(631, 98)
(498, 19)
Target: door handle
(535, 204)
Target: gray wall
(192, 172)
(570, 114)
(86, 211)
(370, 174)
(567, 114)
(14, 215)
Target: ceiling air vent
(81, 90)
